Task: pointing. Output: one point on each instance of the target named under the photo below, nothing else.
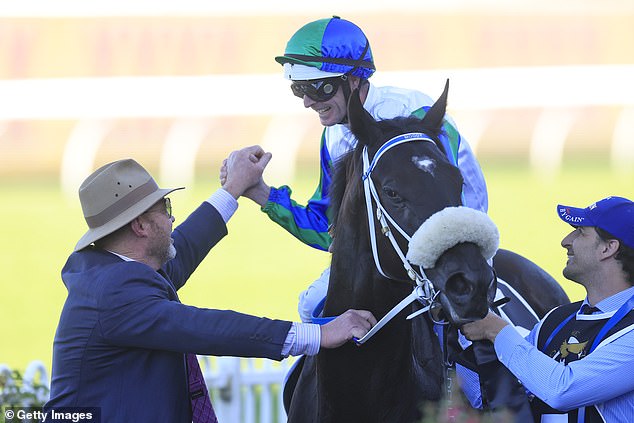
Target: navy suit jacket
(123, 332)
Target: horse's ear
(362, 124)
(436, 113)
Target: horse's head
(409, 173)
(407, 170)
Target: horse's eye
(391, 193)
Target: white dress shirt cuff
(224, 203)
(302, 339)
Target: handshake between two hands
(241, 174)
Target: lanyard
(616, 318)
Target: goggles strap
(335, 60)
(357, 63)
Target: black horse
(397, 177)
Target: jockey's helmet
(327, 48)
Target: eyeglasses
(317, 90)
(167, 204)
(168, 207)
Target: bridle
(423, 291)
(381, 214)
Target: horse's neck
(354, 278)
(387, 360)
(355, 282)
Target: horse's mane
(348, 168)
(342, 173)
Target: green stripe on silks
(283, 217)
(309, 43)
(454, 139)
(453, 136)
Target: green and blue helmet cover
(331, 45)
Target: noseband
(424, 290)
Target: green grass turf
(258, 268)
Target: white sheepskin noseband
(449, 227)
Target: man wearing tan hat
(125, 345)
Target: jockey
(325, 61)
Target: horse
(399, 178)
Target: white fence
(246, 390)
(34, 375)
(243, 390)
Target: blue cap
(614, 215)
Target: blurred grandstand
(180, 84)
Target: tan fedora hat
(114, 195)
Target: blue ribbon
(317, 311)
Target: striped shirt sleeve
(302, 339)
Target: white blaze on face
(424, 163)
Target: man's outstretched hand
(351, 324)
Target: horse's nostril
(458, 285)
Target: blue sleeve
(600, 376)
(193, 239)
(469, 382)
(307, 223)
(138, 311)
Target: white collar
(125, 258)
